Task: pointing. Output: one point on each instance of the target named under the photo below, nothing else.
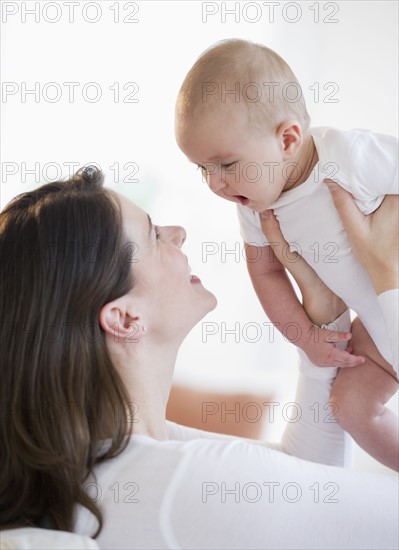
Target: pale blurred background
(343, 53)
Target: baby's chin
(258, 207)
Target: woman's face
(175, 300)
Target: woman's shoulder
(183, 444)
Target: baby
(241, 117)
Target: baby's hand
(321, 350)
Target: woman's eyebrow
(150, 224)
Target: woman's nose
(177, 235)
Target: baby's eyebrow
(220, 157)
(217, 159)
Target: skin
(237, 159)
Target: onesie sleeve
(373, 171)
(250, 226)
(389, 301)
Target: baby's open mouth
(242, 199)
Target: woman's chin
(211, 298)
(208, 304)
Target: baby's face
(240, 164)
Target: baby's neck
(305, 162)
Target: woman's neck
(148, 379)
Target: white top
(366, 165)
(204, 490)
(35, 538)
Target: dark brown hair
(61, 259)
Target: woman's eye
(227, 166)
(157, 233)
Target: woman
(95, 302)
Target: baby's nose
(215, 182)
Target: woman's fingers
(344, 359)
(374, 238)
(345, 204)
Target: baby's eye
(157, 233)
(227, 166)
(202, 168)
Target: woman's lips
(193, 278)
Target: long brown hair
(63, 256)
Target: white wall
(357, 54)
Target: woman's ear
(124, 326)
(289, 134)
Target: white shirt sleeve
(34, 538)
(235, 495)
(184, 433)
(389, 303)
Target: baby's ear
(290, 136)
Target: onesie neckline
(315, 178)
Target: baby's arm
(281, 305)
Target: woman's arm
(389, 300)
(375, 243)
(229, 494)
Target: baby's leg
(358, 398)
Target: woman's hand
(374, 238)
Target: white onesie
(366, 165)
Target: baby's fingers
(271, 228)
(334, 336)
(344, 359)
